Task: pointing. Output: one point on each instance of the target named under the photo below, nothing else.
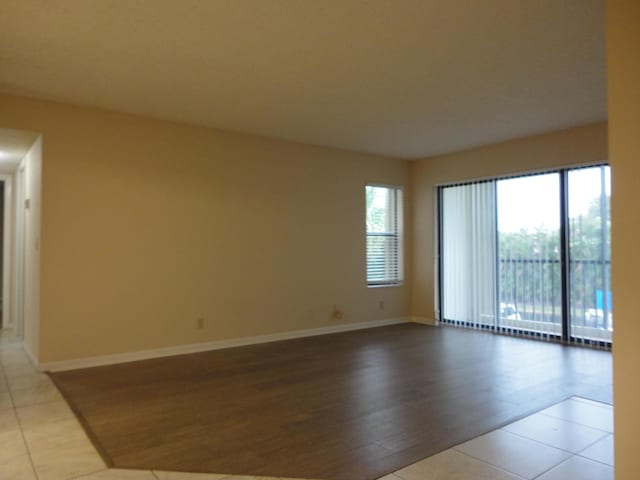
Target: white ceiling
(407, 78)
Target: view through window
(384, 242)
(529, 254)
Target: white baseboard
(214, 345)
(424, 320)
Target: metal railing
(530, 291)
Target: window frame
(398, 233)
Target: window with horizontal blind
(384, 235)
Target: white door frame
(17, 319)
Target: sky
(528, 202)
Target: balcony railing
(530, 296)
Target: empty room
(330, 240)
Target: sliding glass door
(590, 311)
(529, 283)
(529, 255)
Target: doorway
(20, 201)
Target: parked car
(594, 316)
(508, 311)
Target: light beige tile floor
(40, 439)
(570, 440)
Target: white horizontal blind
(384, 242)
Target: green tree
(530, 269)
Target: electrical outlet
(200, 323)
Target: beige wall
(623, 42)
(570, 147)
(148, 225)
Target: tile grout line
(543, 443)
(15, 409)
(72, 477)
(497, 467)
(15, 412)
(593, 460)
(575, 423)
(573, 455)
(594, 403)
(591, 445)
(489, 463)
(566, 460)
(551, 468)
(84, 475)
(554, 446)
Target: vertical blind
(469, 253)
(529, 255)
(384, 242)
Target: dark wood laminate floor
(352, 406)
